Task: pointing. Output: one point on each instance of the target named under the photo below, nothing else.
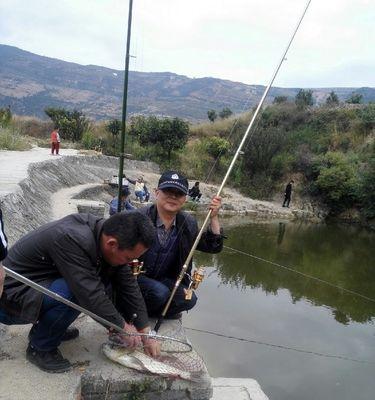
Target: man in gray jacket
(78, 257)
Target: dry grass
(221, 127)
(32, 126)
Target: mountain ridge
(29, 83)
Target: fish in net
(177, 360)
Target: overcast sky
(239, 40)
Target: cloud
(241, 41)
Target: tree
(280, 99)
(216, 147)
(304, 98)
(114, 127)
(367, 187)
(367, 118)
(167, 134)
(225, 113)
(355, 98)
(332, 100)
(173, 135)
(72, 124)
(336, 181)
(263, 146)
(211, 114)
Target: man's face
(170, 200)
(115, 256)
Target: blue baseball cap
(174, 180)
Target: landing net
(177, 359)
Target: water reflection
(341, 255)
(280, 236)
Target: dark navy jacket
(187, 228)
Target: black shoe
(70, 334)
(49, 361)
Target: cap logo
(175, 176)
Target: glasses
(173, 192)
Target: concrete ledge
(237, 389)
(94, 376)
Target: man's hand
(151, 346)
(126, 340)
(215, 206)
(2, 277)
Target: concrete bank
(47, 192)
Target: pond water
(269, 306)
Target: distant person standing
(3, 251)
(288, 194)
(55, 141)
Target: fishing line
(228, 137)
(205, 223)
(282, 347)
(302, 274)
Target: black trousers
(286, 201)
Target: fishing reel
(195, 280)
(136, 267)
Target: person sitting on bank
(125, 203)
(176, 232)
(194, 193)
(3, 251)
(139, 188)
(79, 257)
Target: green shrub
(216, 147)
(336, 181)
(366, 189)
(91, 142)
(72, 124)
(5, 117)
(10, 139)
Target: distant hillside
(29, 83)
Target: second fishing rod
(198, 275)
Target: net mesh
(177, 359)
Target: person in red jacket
(55, 141)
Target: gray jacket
(69, 248)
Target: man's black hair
(130, 228)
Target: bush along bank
(330, 149)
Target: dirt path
(14, 165)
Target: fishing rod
(198, 274)
(94, 316)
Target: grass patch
(11, 139)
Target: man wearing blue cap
(176, 233)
